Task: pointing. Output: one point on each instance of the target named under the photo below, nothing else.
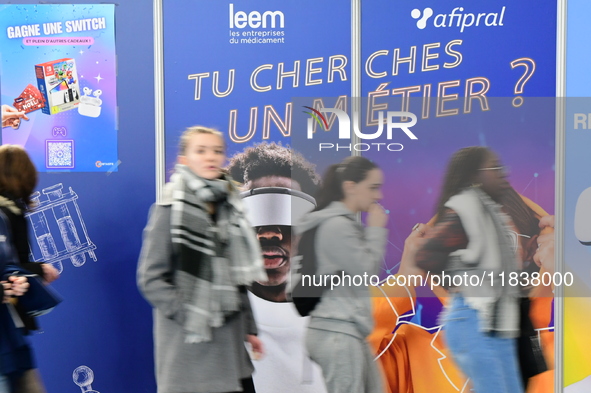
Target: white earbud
(90, 105)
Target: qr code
(60, 154)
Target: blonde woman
(199, 254)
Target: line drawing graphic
(58, 228)
(84, 377)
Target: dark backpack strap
(305, 298)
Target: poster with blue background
(246, 61)
(474, 74)
(237, 66)
(58, 72)
(100, 338)
(89, 219)
(577, 201)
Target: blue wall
(104, 323)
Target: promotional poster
(59, 69)
(577, 254)
(279, 74)
(245, 64)
(459, 70)
(58, 93)
(240, 72)
(277, 78)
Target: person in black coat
(18, 179)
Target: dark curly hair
(461, 171)
(273, 159)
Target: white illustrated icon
(84, 377)
(426, 14)
(90, 106)
(583, 218)
(58, 218)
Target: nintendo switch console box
(58, 83)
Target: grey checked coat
(216, 366)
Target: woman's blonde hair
(195, 130)
(18, 175)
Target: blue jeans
(489, 361)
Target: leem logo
(457, 18)
(254, 19)
(344, 124)
(256, 27)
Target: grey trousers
(346, 362)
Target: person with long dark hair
(18, 179)
(198, 256)
(341, 321)
(471, 235)
(406, 350)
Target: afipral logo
(458, 18)
(423, 15)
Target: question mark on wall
(530, 68)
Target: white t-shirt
(286, 367)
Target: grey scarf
(213, 258)
(488, 252)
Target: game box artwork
(58, 83)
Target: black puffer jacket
(20, 238)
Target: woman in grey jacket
(345, 248)
(198, 255)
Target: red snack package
(30, 100)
